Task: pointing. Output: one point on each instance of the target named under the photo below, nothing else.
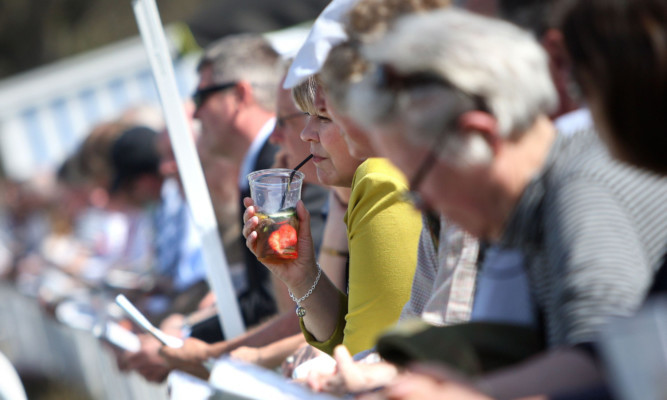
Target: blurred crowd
(486, 194)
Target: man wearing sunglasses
(235, 103)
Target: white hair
(477, 57)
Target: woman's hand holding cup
(297, 273)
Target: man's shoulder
(589, 196)
(581, 175)
(266, 156)
(583, 159)
(378, 173)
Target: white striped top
(593, 231)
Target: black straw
(301, 164)
(291, 176)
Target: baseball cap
(133, 154)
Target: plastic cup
(275, 200)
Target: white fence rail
(35, 342)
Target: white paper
(323, 363)
(187, 387)
(144, 323)
(121, 337)
(238, 380)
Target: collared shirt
(253, 152)
(579, 120)
(177, 241)
(459, 263)
(503, 289)
(444, 283)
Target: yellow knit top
(383, 233)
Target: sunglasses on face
(201, 95)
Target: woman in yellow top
(382, 231)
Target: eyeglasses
(280, 121)
(412, 195)
(201, 95)
(388, 78)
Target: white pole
(189, 167)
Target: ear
(99, 197)
(483, 124)
(244, 93)
(560, 66)
(168, 168)
(553, 43)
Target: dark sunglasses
(280, 121)
(201, 95)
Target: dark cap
(133, 154)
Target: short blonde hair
(303, 94)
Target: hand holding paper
(192, 357)
(144, 323)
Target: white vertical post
(189, 167)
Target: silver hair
(247, 57)
(485, 60)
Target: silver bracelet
(300, 311)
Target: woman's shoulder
(378, 186)
(376, 171)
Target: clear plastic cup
(275, 200)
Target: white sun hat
(327, 31)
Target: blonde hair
(304, 93)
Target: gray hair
(247, 57)
(472, 60)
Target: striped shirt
(593, 231)
(443, 287)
